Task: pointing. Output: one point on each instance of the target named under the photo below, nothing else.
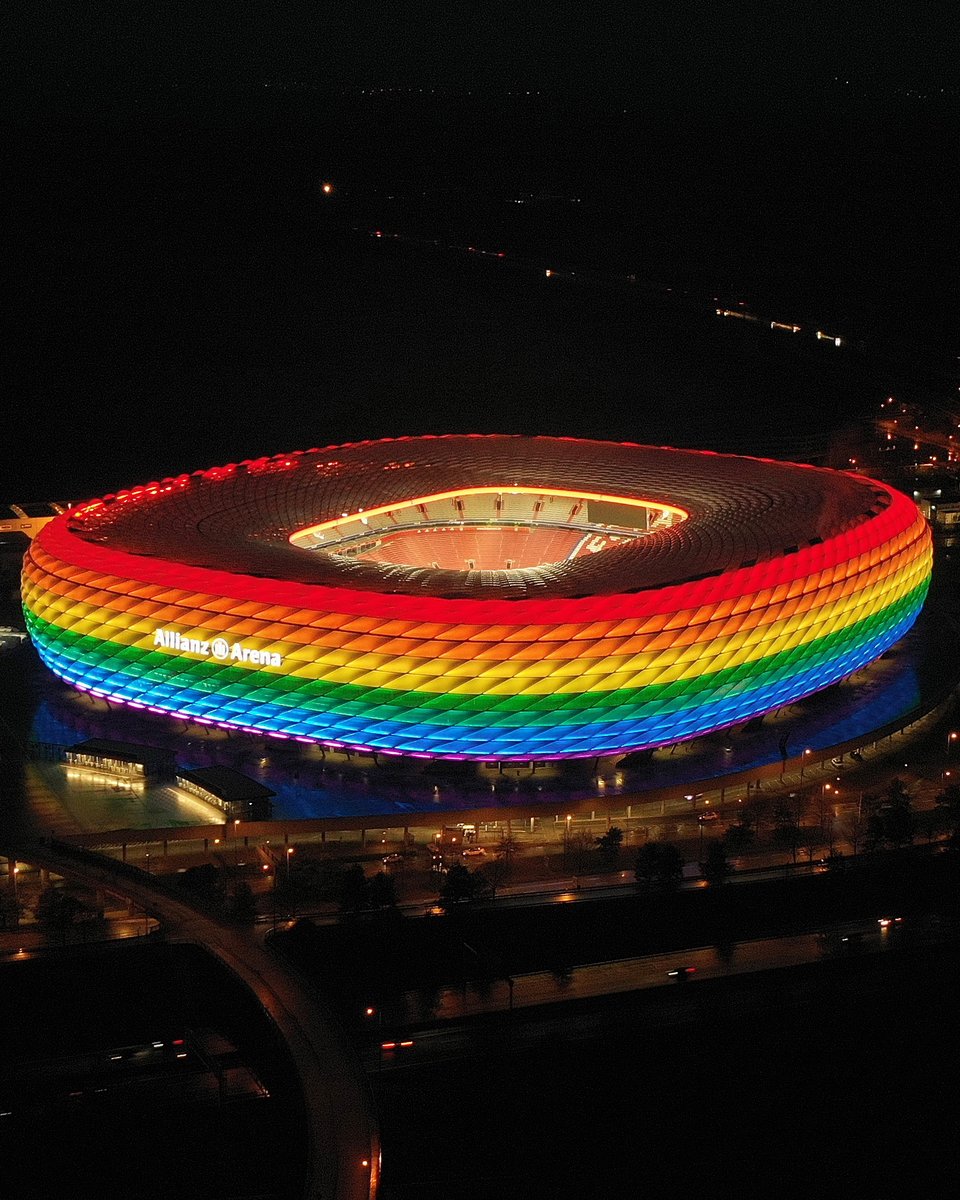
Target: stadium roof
(239, 518)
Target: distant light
(548, 273)
(327, 188)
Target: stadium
(491, 598)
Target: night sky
(183, 298)
(683, 47)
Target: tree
(716, 868)
(812, 838)
(658, 867)
(205, 882)
(495, 873)
(897, 825)
(243, 909)
(291, 887)
(789, 809)
(609, 844)
(890, 821)
(461, 886)
(579, 846)
(897, 794)
(382, 891)
(854, 828)
(506, 848)
(59, 910)
(787, 836)
(754, 813)
(10, 910)
(738, 838)
(948, 809)
(352, 889)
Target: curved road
(343, 1141)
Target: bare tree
(853, 826)
(580, 845)
(505, 851)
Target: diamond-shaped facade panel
(684, 592)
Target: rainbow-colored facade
(192, 597)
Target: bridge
(343, 1150)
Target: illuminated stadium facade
(488, 598)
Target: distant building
(240, 797)
(29, 519)
(19, 525)
(945, 516)
(937, 493)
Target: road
(632, 974)
(544, 988)
(343, 1151)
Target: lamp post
(369, 1012)
(16, 897)
(823, 814)
(951, 738)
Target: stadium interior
(485, 529)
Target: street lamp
(951, 738)
(370, 1011)
(803, 759)
(289, 852)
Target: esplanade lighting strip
(745, 584)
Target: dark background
(185, 295)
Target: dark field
(187, 296)
(841, 1069)
(839, 1079)
(90, 1110)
